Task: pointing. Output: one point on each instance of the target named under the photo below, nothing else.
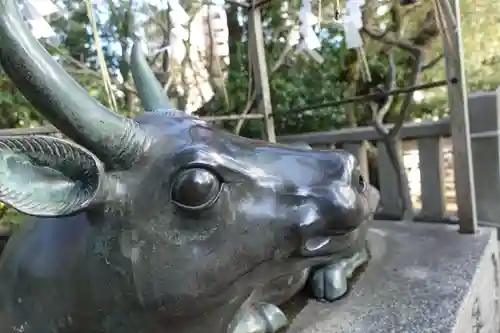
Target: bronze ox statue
(162, 223)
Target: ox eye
(195, 188)
(358, 181)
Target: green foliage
(319, 83)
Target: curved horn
(116, 140)
(148, 88)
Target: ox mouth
(334, 242)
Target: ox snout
(340, 219)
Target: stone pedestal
(485, 144)
(422, 278)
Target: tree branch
(386, 38)
(415, 47)
(379, 115)
(390, 137)
(250, 102)
(432, 62)
(405, 107)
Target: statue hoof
(274, 317)
(330, 282)
(266, 318)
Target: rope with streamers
(179, 34)
(34, 11)
(303, 37)
(309, 41)
(350, 19)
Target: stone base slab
(422, 277)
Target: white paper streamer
(177, 13)
(44, 7)
(294, 36)
(209, 49)
(307, 21)
(178, 34)
(352, 21)
(209, 25)
(305, 36)
(208, 40)
(34, 12)
(352, 36)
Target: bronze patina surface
(162, 223)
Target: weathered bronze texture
(162, 223)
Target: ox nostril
(358, 181)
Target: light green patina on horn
(150, 91)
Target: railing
(431, 141)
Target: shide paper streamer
(206, 30)
(208, 35)
(351, 22)
(34, 12)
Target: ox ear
(46, 176)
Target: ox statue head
(214, 214)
